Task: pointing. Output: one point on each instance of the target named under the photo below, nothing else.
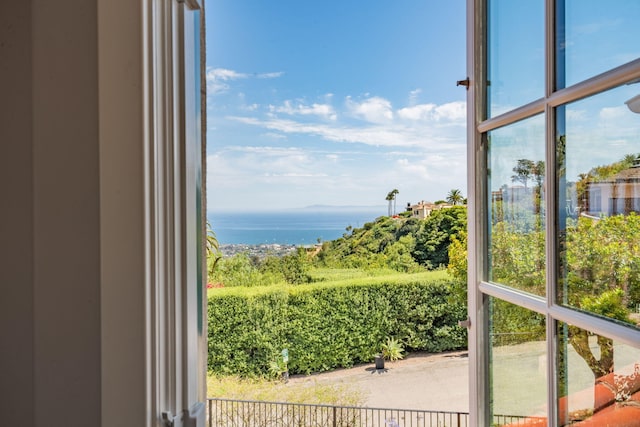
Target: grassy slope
(331, 277)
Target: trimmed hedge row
(328, 326)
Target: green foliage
(392, 349)
(239, 270)
(518, 257)
(402, 244)
(512, 324)
(242, 270)
(212, 247)
(609, 304)
(604, 255)
(329, 325)
(293, 267)
(455, 197)
(434, 238)
(457, 267)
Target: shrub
(392, 349)
(326, 326)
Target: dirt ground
(420, 381)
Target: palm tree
(395, 194)
(454, 197)
(212, 247)
(391, 197)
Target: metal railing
(249, 413)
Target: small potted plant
(392, 350)
(379, 360)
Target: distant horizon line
(309, 207)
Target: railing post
(458, 419)
(335, 418)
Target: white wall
(72, 307)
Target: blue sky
(334, 102)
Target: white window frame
(479, 288)
(154, 346)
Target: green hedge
(327, 326)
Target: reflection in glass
(518, 364)
(516, 54)
(599, 186)
(516, 179)
(594, 36)
(598, 380)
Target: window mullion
(551, 191)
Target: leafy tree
(434, 238)
(517, 257)
(609, 304)
(295, 267)
(603, 255)
(403, 244)
(240, 270)
(457, 267)
(398, 255)
(601, 269)
(523, 171)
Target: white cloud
(374, 109)
(424, 125)
(322, 110)
(613, 113)
(252, 107)
(273, 135)
(224, 74)
(217, 78)
(413, 96)
(422, 148)
(450, 112)
(417, 112)
(270, 75)
(373, 135)
(577, 115)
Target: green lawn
(277, 391)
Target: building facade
(552, 293)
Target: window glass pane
(516, 181)
(599, 206)
(516, 54)
(598, 379)
(518, 364)
(594, 36)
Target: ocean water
(292, 227)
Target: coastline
(260, 250)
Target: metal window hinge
(195, 416)
(169, 420)
(464, 83)
(465, 323)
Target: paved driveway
(421, 381)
